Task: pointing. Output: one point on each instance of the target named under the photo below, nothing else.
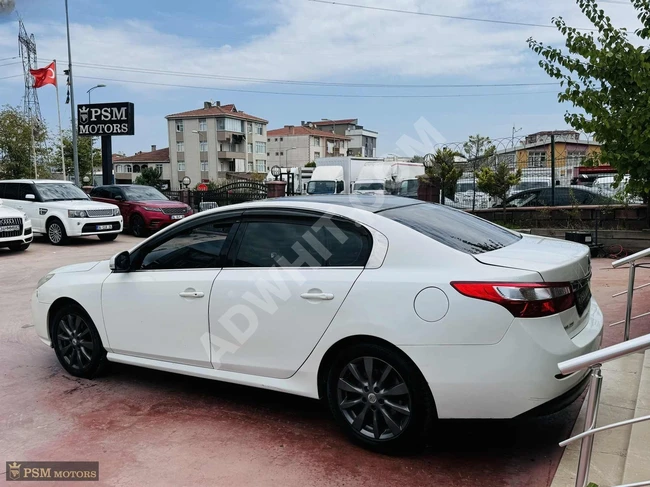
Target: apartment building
(293, 146)
(209, 142)
(363, 142)
(127, 168)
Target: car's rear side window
(453, 228)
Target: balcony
(228, 136)
(231, 155)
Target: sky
(293, 60)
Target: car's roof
(372, 203)
(31, 181)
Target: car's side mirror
(118, 197)
(120, 262)
(30, 197)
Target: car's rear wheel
(108, 237)
(19, 247)
(77, 343)
(56, 233)
(138, 227)
(380, 398)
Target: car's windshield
(409, 186)
(522, 199)
(368, 186)
(463, 186)
(453, 228)
(143, 193)
(321, 187)
(60, 192)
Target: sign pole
(107, 159)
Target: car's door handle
(191, 294)
(321, 296)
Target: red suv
(144, 209)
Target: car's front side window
(196, 248)
(303, 243)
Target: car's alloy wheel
(77, 343)
(374, 398)
(56, 233)
(137, 226)
(380, 398)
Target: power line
(10, 64)
(442, 16)
(328, 95)
(132, 69)
(8, 58)
(14, 76)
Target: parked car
(324, 297)
(15, 228)
(564, 196)
(60, 210)
(144, 209)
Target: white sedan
(394, 311)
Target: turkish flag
(44, 76)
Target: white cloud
(303, 40)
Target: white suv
(15, 228)
(61, 210)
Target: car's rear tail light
(523, 300)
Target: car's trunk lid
(554, 260)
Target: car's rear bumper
(516, 375)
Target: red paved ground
(153, 428)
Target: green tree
(86, 162)
(607, 78)
(446, 170)
(497, 182)
(311, 164)
(417, 159)
(16, 159)
(149, 176)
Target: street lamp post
(73, 115)
(92, 139)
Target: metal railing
(594, 361)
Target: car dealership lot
(143, 425)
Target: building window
(249, 147)
(128, 168)
(276, 139)
(316, 141)
(281, 139)
(230, 124)
(281, 153)
(277, 153)
(260, 165)
(159, 168)
(181, 166)
(180, 146)
(536, 159)
(250, 128)
(575, 158)
(204, 165)
(179, 126)
(259, 130)
(260, 147)
(268, 154)
(203, 125)
(231, 166)
(203, 146)
(316, 155)
(250, 166)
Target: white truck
(374, 178)
(350, 167)
(404, 171)
(327, 180)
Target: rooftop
(363, 202)
(289, 130)
(345, 121)
(159, 155)
(216, 110)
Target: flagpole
(58, 109)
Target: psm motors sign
(100, 119)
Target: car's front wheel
(380, 398)
(56, 233)
(77, 343)
(138, 227)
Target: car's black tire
(19, 247)
(399, 408)
(77, 343)
(56, 233)
(109, 237)
(138, 228)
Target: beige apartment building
(127, 168)
(208, 143)
(293, 146)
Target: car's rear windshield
(453, 228)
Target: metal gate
(230, 194)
